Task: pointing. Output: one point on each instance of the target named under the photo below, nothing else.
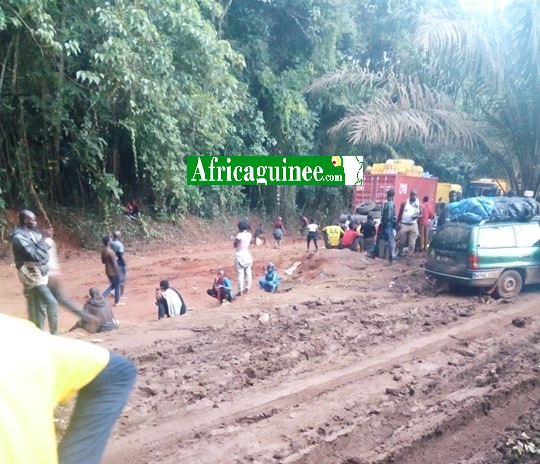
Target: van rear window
(452, 237)
(497, 237)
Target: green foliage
(103, 101)
(109, 98)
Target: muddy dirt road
(351, 362)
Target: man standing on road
(31, 254)
(426, 215)
(408, 223)
(388, 224)
(118, 247)
(108, 257)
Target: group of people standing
(411, 223)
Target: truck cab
(486, 188)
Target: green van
(498, 256)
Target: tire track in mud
(232, 422)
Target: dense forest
(101, 101)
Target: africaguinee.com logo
(275, 170)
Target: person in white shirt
(169, 301)
(242, 258)
(312, 228)
(408, 223)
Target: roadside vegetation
(102, 102)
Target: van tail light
(472, 262)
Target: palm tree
(476, 88)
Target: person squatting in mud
(270, 281)
(221, 288)
(99, 307)
(169, 301)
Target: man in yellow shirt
(332, 236)
(39, 371)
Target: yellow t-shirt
(39, 371)
(334, 234)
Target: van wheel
(509, 284)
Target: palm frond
(461, 45)
(347, 78)
(523, 20)
(414, 111)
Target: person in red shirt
(426, 214)
(279, 231)
(350, 238)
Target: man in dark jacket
(31, 254)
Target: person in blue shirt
(118, 248)
(270, 281)
(221, 288)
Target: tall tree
(100, 99)
(475, 88)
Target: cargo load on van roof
(474, 210)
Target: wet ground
(351, 362)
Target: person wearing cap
(242, 258)
(270, 282)
(169, 301)
(278, 231)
